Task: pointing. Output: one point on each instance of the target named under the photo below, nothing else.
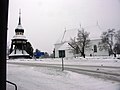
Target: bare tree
(117, 44)
(81, 42)
(75, 49)
(107, 40)
(117, 36)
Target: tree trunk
(82, 53)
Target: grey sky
(44, 20)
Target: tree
(107, 40)
(117, 45)
(46, 55)
(29, 48)
(117, 48)
(73, 44)
(52, 55)
(81, 42)
(117, 36)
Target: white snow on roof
(67, 35)
(19, 37)
(95, 33)
(65, 46)
(19, 53)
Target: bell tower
(18, 43)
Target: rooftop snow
(72, 33)
(19, 53)
(19, 37)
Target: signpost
(62, 55)
(62, 64)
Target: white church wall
(68, 52)
(63, 46)
(57, 46)
(99, 52)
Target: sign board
(61, 53)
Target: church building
(62, 46)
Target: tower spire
(19, 23)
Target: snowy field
(46, 78)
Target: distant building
(18, 43)
(63, 46)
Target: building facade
(94, 49)
(62, 45)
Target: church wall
(68, 52)
(57, 46)
(88, 51)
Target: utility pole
(3, 41)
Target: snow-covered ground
(46, 78)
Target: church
(62, 46)
(19, 43)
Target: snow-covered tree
(117, 36)
(81, 42)
(117, 45)
(107, 40)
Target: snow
(44, 78)
(105, 60)
(67, 35)
(19, 37)
(19, 53)
(64, 46)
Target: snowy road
(105, 72)
(78, 75)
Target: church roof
(64, 46)
(67, 35)
(72, 33)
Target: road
(105, 72)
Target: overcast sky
(44, 20)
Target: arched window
(95, 48)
